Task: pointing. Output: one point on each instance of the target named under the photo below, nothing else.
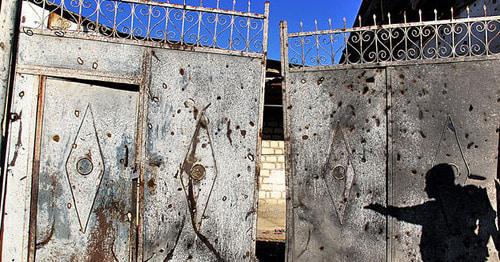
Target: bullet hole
(321, 248)
(150, 126)
(370, 79)
(181, 71)
(79, 60)
(422, 134)
(179, 189)
(95, 65)
(238, 175)
(303, 81)
(252, 123)
(169, 206)
(74, 146)
(155, 99)
(219, 98)
(320, 81)
(469, 146)
(21, 94)
(367, 226)
(402, 76)
(471, 108)
(56, 138)
(224, 198)
(377, 122)
(178, 111)
(243, 133)
(398, 157)
(108, 134)
(172, 133)
(413, 171)
(250, 157)
(305, 137)
(165, 86)
(77, 113)
(339, 104)
(420, 115)
(365, 90)
(68, 205)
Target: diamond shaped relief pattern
(85, 168)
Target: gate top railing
(235, 29)
(387, 44)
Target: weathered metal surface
(444, 113)
(18, 169)
(336, 127)
(82, 56)
(85, 201)
(201, 130)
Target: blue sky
(307, 10)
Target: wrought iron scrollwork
(160, 22)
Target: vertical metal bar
(286, 126)
(36, 170)
(167, 17)
(183, 23)
(332, 39)
(10, 12)
(148, 30)
(216, 24)
(247, 41)
(232, 27)
(316, 39)
(200, 17)
(265, 31)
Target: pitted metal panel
(444, 113)
(201, 135)
(85, 200)
(337, 132)
(88, 57)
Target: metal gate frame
(83, 38)
(385, 47)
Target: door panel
(337, 151)
(200, 159)
(444, 114)
(85, 202)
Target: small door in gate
(86, 148)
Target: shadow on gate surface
(456, 224)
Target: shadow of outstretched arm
(412, 214)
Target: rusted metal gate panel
(337, 145)
(85, 199)
(201, 132)
(444, 113)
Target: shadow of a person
(456, 224)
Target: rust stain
(102, 239)
(152, 184)
(56, 138)
(48, 238)
(229, 132)
(19, 142)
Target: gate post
(10, 11)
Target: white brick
(268, 166)
(267, 151)
(266, 143)
(271, 159)
(275, 144)
(276, 195)
(278, 152)
(265, 173)
(280, 159)
(262, 194)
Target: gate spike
(485, 10)
(420, 14)
(452, 14)
(359, 19)
(468, 12)
(345, 22)
(404, 17)
(374, 19)
(301, 26)
(389, 17)
(330, 23)
(316, 24)
(435, 14)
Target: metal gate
(134, 132)
(377, 118)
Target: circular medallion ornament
(339, 172)
(84, 166)
(197, 172)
